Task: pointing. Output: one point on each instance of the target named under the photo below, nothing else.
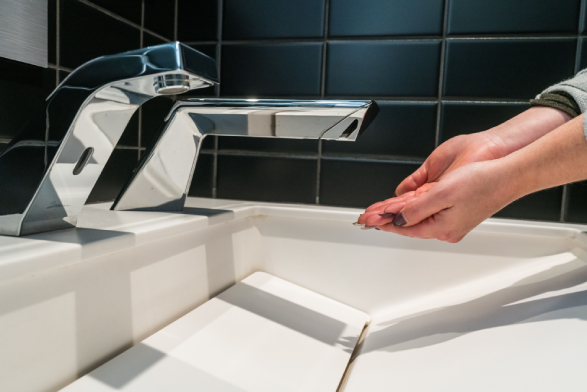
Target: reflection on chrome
(163, 177)
(48, 171)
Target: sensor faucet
(49, 169)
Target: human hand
(494, 143)
(448, 209)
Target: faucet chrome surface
(162, 179)
(49, 169)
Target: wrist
(526, 128)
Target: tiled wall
(436, 68)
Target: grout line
(381, 159)
(121, 19)
(322, 92)
(127, 148)
(382, 38)
(175, 19)
(441, 73)
(217, 91)
(57, 39)
(142, 29)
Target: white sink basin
(505, 309)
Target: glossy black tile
(583, 53)
(385, 17)
(460, 118)
(383, 68)
(151, 40)
(209, 143)
(544, 205)
(63, 75)
(115, 174)
(197, 20)
(52, 31)
(207, 49)
(258, 19)
(153, 114)
(23, 90)
(271, 69)
(160, 17)
(513, 16)
(201, 185)
(128, 9)
(576, 206)
(3, 147)
(400, 128)
(87, 33)
(360, 184)
(506, 68)
(266, 179)
(306, 147)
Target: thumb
(413, 181)
(423, 207)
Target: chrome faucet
(162, 178)
(48, 171)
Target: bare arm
(457, 203)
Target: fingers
(421, 208)
(386, 212)
(413, 181)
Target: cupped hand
(452, 154)
(450, 208)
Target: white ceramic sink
(504, 310)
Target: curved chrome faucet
(48, 171)
(162, 179)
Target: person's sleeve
(575, 88)
(559, 100)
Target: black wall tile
(160, 17)
(267, 179)
(583, 53)
(271, 69)
(576, 203)
(400, 128)
(201, 185)
(3, 147)
(383, 68)
(197, 20)
(544, 205)
(115, 174)
(307, 147)
(87, 33)
(360, 184)
(506, 68)
(208, 49)
(23, 90)
(255, 19)
(128, 9)
(513, 16)
(151, 40)
(461, 118)
(385, 17)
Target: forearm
(558, 158)
(527, 127)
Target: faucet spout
(52, 165)
(162, 179)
